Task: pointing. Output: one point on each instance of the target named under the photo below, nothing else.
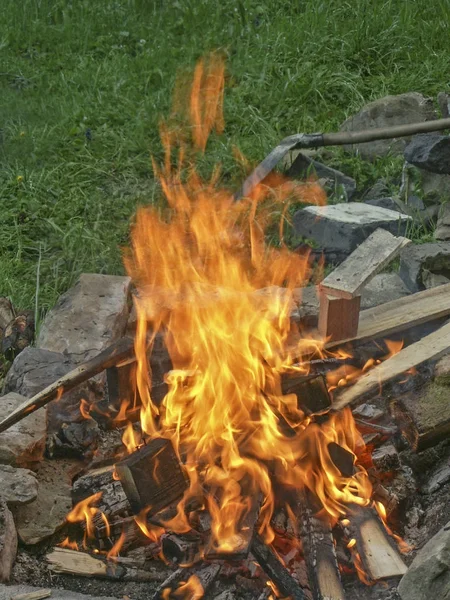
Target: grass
(84, 84)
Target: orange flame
(198, 266)
(192, 589)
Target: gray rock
(8, 592)
(379, 189)
(442, 232)
(17, 486)
(435, 187)
(430, 152)
(443, 100)
(387, 112)
(88, 317)
(47, 514)
(384, 287)
(387, 202)
(429, 574)
(342, 227)
(418, 260)
(332, 181)
(23, 443)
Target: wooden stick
(428, 348)
(349, 278)
(118, 351)
(275, 570)
(37, 595)
(379, 555)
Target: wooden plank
(338, 317)
(349, 278)
(399, 315)
(430, 347)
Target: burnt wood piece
(338, 317)
(205, 576)
(311, 391)
(114, 354)
(73, 562)
(369, 427)
(429, 348)
(152, 477)
(275, 570)
(342, 458)
(319, 552)
(349, 278)
(184, 549)
(378, 552)
(244, 539)
(113, 500)
(424, 416)
(8, 542)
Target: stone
(417, 260)
(384, 287)
(24, 442)
(429, 574)
(17, 486)
(342, 227)
(443, 100)
(88, 317)
(389, 111)
(47, 514)
(430, 152)
(442, 232)
(333, 181)
(389, 203)
(8, 542)
(439, 477)
(10, 591)
(380, 189)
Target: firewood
(311, 391)
(184, 549)
(275, 569)
(152, 477)
(350, 277)
(8, 542)
(113, 500)
(205, 576)
(338, 317)
(319, 552)
(377, 550)
(428, 348)
(37, 595)
(72, 562)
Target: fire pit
(242, 471)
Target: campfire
(239, 450)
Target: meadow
(84, 85)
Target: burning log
(311, 391)
(181, 549)
(113, 500)
(275, 570)
(319, 553)
(152, 476)
(72, 562)
(378, 553)
(203, 577)
(428, 348)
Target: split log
(398, 315)
(311, 391)
(37, 595)
(242, 542)
(184, 550)
(275, 570)
(350, 277)
(8, 542)
(113, 500)
(424, 416)
(319, 553)
(204, 577)
(428, 348)
(377, 550)
(72, 562)
(152, 477)
(338, 317)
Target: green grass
(84, 84)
